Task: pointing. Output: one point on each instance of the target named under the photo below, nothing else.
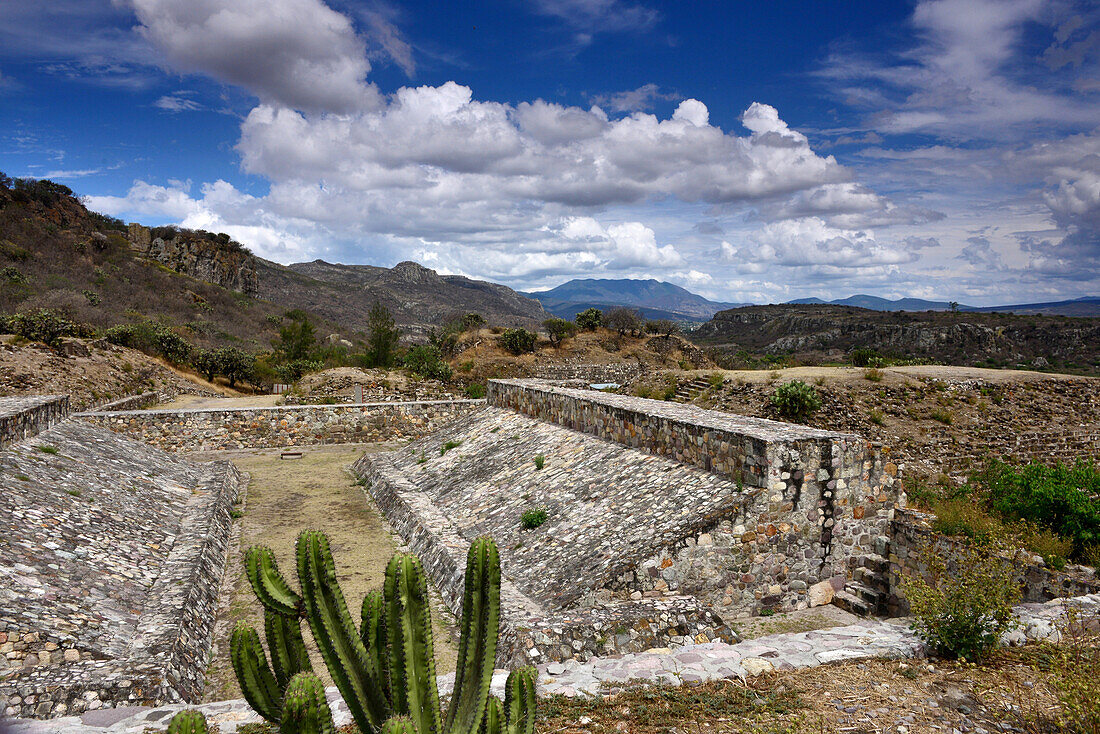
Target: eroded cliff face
(216, 260)
(965, 338)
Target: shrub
(1054, 549)
(448, 446)
(540, 461)
(518, 341)
(862, 356)
(475, 390)
(795, 400)
(962, 517)
(1075, 673)
(12, 275)
(42, 325)
(873, 375)
(876, 417)
(942, 415)
(589, 319)
(664, 327)
(1061, 498)
(427, 361)
(291, 372)
(963, 613)
(532, 519)
(559, 330)
(152, 338)
(716, 379)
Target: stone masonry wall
(912, 537)
(139, 401)
(24, 417)
(838, 489)
(113, 556)
(298, 425)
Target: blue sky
(748, 151)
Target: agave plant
(385, 668)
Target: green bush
(518, 341)
(589, 319)
(1062, 498)
(795, 400)
(540, 461)
(427, 361)
(963, 611)
(291, 372)
(42, 325)
(475, 390)
(559, 330)
(151, 338)
(532, 519)
(863, 356)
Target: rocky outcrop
(213, 258)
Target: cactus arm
(305, 709)
(271, 588)
(477, 646)
(399, 725)
(375, 639)
(188, 721)
(335, 633)
(519, 701)
(491, 723)
(258, 684)
(412, 655)
(286, 646)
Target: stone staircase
(867, 592)
(688, 391)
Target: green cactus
(385, 670)
(399, 725)
(305, 709)
(188, 721)
(258, 684)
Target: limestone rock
(820, 594)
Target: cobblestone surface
(112, 556)
(608, 675)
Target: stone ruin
(112, 557)
(664, 520)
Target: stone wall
(292, 425)
(24, 417)
(621, 373)
(912, 536)
(139, 401)
(650, 528)
(113, 556)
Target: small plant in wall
(532, 519)
(448, 446)
(540, 461)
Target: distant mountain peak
(654, 298)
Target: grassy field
(285, 497)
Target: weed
(1075, 673)
(236, 514)
(540, 461)
(448, 446)
(716, 379)
(876, 417)
(74, 492)
(962, 612)
(532, 519)
(47, 449)
(22, 477)
(423, 459)
(874, 375)
(941, 415)
(819, 380)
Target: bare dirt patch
(286, 496)
(801, 620)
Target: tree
(664, 327)
(623, 320)
(472, 322)
(5, 180)
(206, 361)
(384, 336)
(589, 319)
(235, 364)
(518, 341)
(954, 306)
(297, 338)
(559, 329)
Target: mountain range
(654, 299)
(1087, 306)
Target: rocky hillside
(828, 332)
(418, 298)
(56, 254)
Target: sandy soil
(802, 620)
(285, 497)
(227, 403)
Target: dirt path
(227, 403)
(285, 497)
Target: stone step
(875, 562)
(859, 599)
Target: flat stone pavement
(685, 665)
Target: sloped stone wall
(290, 425)
(112, 559)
